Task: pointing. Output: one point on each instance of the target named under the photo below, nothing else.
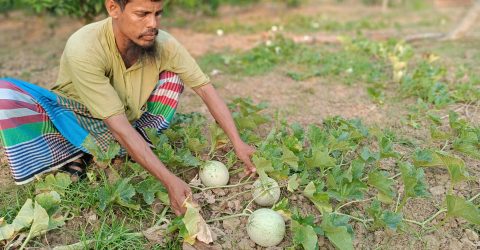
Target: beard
(146, 53)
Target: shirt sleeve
(185, 66)
(93, 86)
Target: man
(108, 77)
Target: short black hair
(123, 3)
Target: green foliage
(8, 5)
(210, 7)
(456, 166)
(380, 180)
(105, 156)
(85, 9)
(383, 218)
(337, 230)
(114, 233)
(120, 193)
(305, 231)
(35, 217)
(151, 188)
(459, 207)
(316, 194)
(426, 82)
(59, 183)
(413, 180)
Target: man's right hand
(140, 151)
(178, 192)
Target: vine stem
(226, 186)
(364, 221)
(445, 146)
(244, 213)
(185, 170)
(236, 171)
(351, 202)
(474, 197)
(434, 216)
(235, 195)
(415, 222)
(396, 204)
(443, 210)
(395, 176)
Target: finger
(250, 165)
(177, 211)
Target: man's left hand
(244, 152)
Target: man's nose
(152, 22)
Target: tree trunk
(385, 5)
(466, 24)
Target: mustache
(150, 32)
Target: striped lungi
(42, 131)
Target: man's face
(139, 21)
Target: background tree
(466, 24)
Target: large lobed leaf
(457, 206)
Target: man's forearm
(137, 147)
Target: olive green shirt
(93, 73)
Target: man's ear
(113, 8)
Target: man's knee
(168, 76)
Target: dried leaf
(40, 220)
(24, 217)
(196, 226)
(6, 232)
(155, 234)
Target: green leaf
(459, 207)
(40, 221)
(316, 136)
(368, 156)
(156, 139)
(320, 159)
(413, 180)
(426, 158)
(380, 180)
(319, 199)
(386, 149)
(282, 207)
(468, 143)
(101, 155)
(195, 145)
(438, 134)
(124, 192)
(49, 201)
(149, 188)
(304, 235)
(290, 158)
(391, 219)
(293, 183)
(112, 151)
(456, 167)
(337, 233)
(121, 193)
(59, 183)
(24, 217)
(263, 165)
(188, 160)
